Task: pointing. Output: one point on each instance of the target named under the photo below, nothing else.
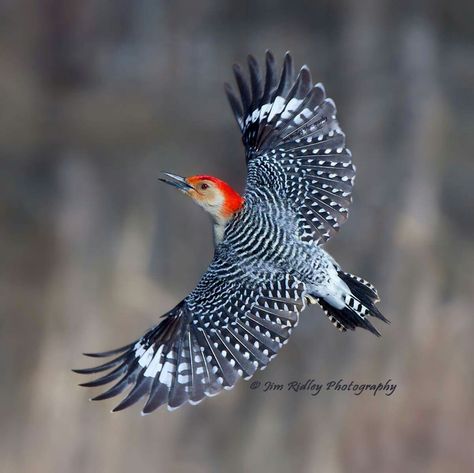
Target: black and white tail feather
(359, 304)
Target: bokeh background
(98, 97)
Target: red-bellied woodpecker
(268, 263)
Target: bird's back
(262, 240)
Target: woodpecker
(269, 262)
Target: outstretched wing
(225, 329)
(294, 145)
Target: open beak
(176, 181)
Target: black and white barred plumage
(294, 125)
(268, 266)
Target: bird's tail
(359, 303)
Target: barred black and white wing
(294, 144)
(227, 328)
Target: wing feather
(224, 330)
(294, 145)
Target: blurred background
(98, 97)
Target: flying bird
(269, 263)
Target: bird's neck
(223, 208)
(221, 220)
(232, 202)
(219, 229)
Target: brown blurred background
(98, 97)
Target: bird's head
(212, 194)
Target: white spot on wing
(155, 366)
(146, 357)
(166, 376)
(278, 105)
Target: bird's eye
(204, 186)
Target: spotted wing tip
(91, 355)
(252, 60)
(332, 103)
(320, 86)
(237, 68)
(195, 403)
(269, 58)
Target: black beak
(176, 181)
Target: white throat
(219, 223)
(219, 229)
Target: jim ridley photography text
(314, 387)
